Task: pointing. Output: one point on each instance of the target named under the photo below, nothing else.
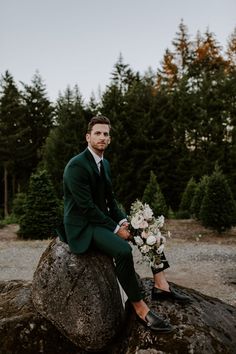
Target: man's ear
(87, 136)
(109, 140)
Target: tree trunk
(13, 186)
(5, 191)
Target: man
(92, 218)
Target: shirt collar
(97, 158)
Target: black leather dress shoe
(156, 323)
(158, 294)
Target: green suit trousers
(114, 246)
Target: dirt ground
(199, 258)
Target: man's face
(99, 138)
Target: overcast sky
(78, 41)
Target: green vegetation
(176, 120)
(153, 196)
(42, 210)
(187, 198)
(218, 209)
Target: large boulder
(206, 326)
(22, 329)
(80, 295)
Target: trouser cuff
(165, 264)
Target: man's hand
(123, 231)
(125, 224)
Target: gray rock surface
(206, 326)
(79, 294)
(22, 329)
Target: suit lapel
(92, 162)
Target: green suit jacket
(82, 199)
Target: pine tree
(67, 138)
(218, 207)
(38, 112)
(198, 197)
(187, 197)
(153, 196)
(42, 211)
(13, 134)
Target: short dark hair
(98, 120)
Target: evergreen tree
(42, 212)
(67, 138)
(187, 197)
(39, 117)
(13, 134)
(218, 207)
(114, 105)
(153, 196)
(18, 205)
(198, 197)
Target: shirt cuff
(121, 222)
(116, 229)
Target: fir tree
(38, 115)
(218, 208)
(67, 138)
(153, 196)
(42, 211)
(198, 197)
(187, 197)
(13, 134)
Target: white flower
(151, 240)
(145, 249)
(138, 240)
(160, 249)
(144, 234)
(143, 224)
(137, 220)
(147, 212)
(160, 221)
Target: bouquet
(146, 232)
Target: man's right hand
(123, 232)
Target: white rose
(138, 240)
(143, 224)
(136, 221)
(147, 212)
(151, 240)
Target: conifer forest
(175, 123)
